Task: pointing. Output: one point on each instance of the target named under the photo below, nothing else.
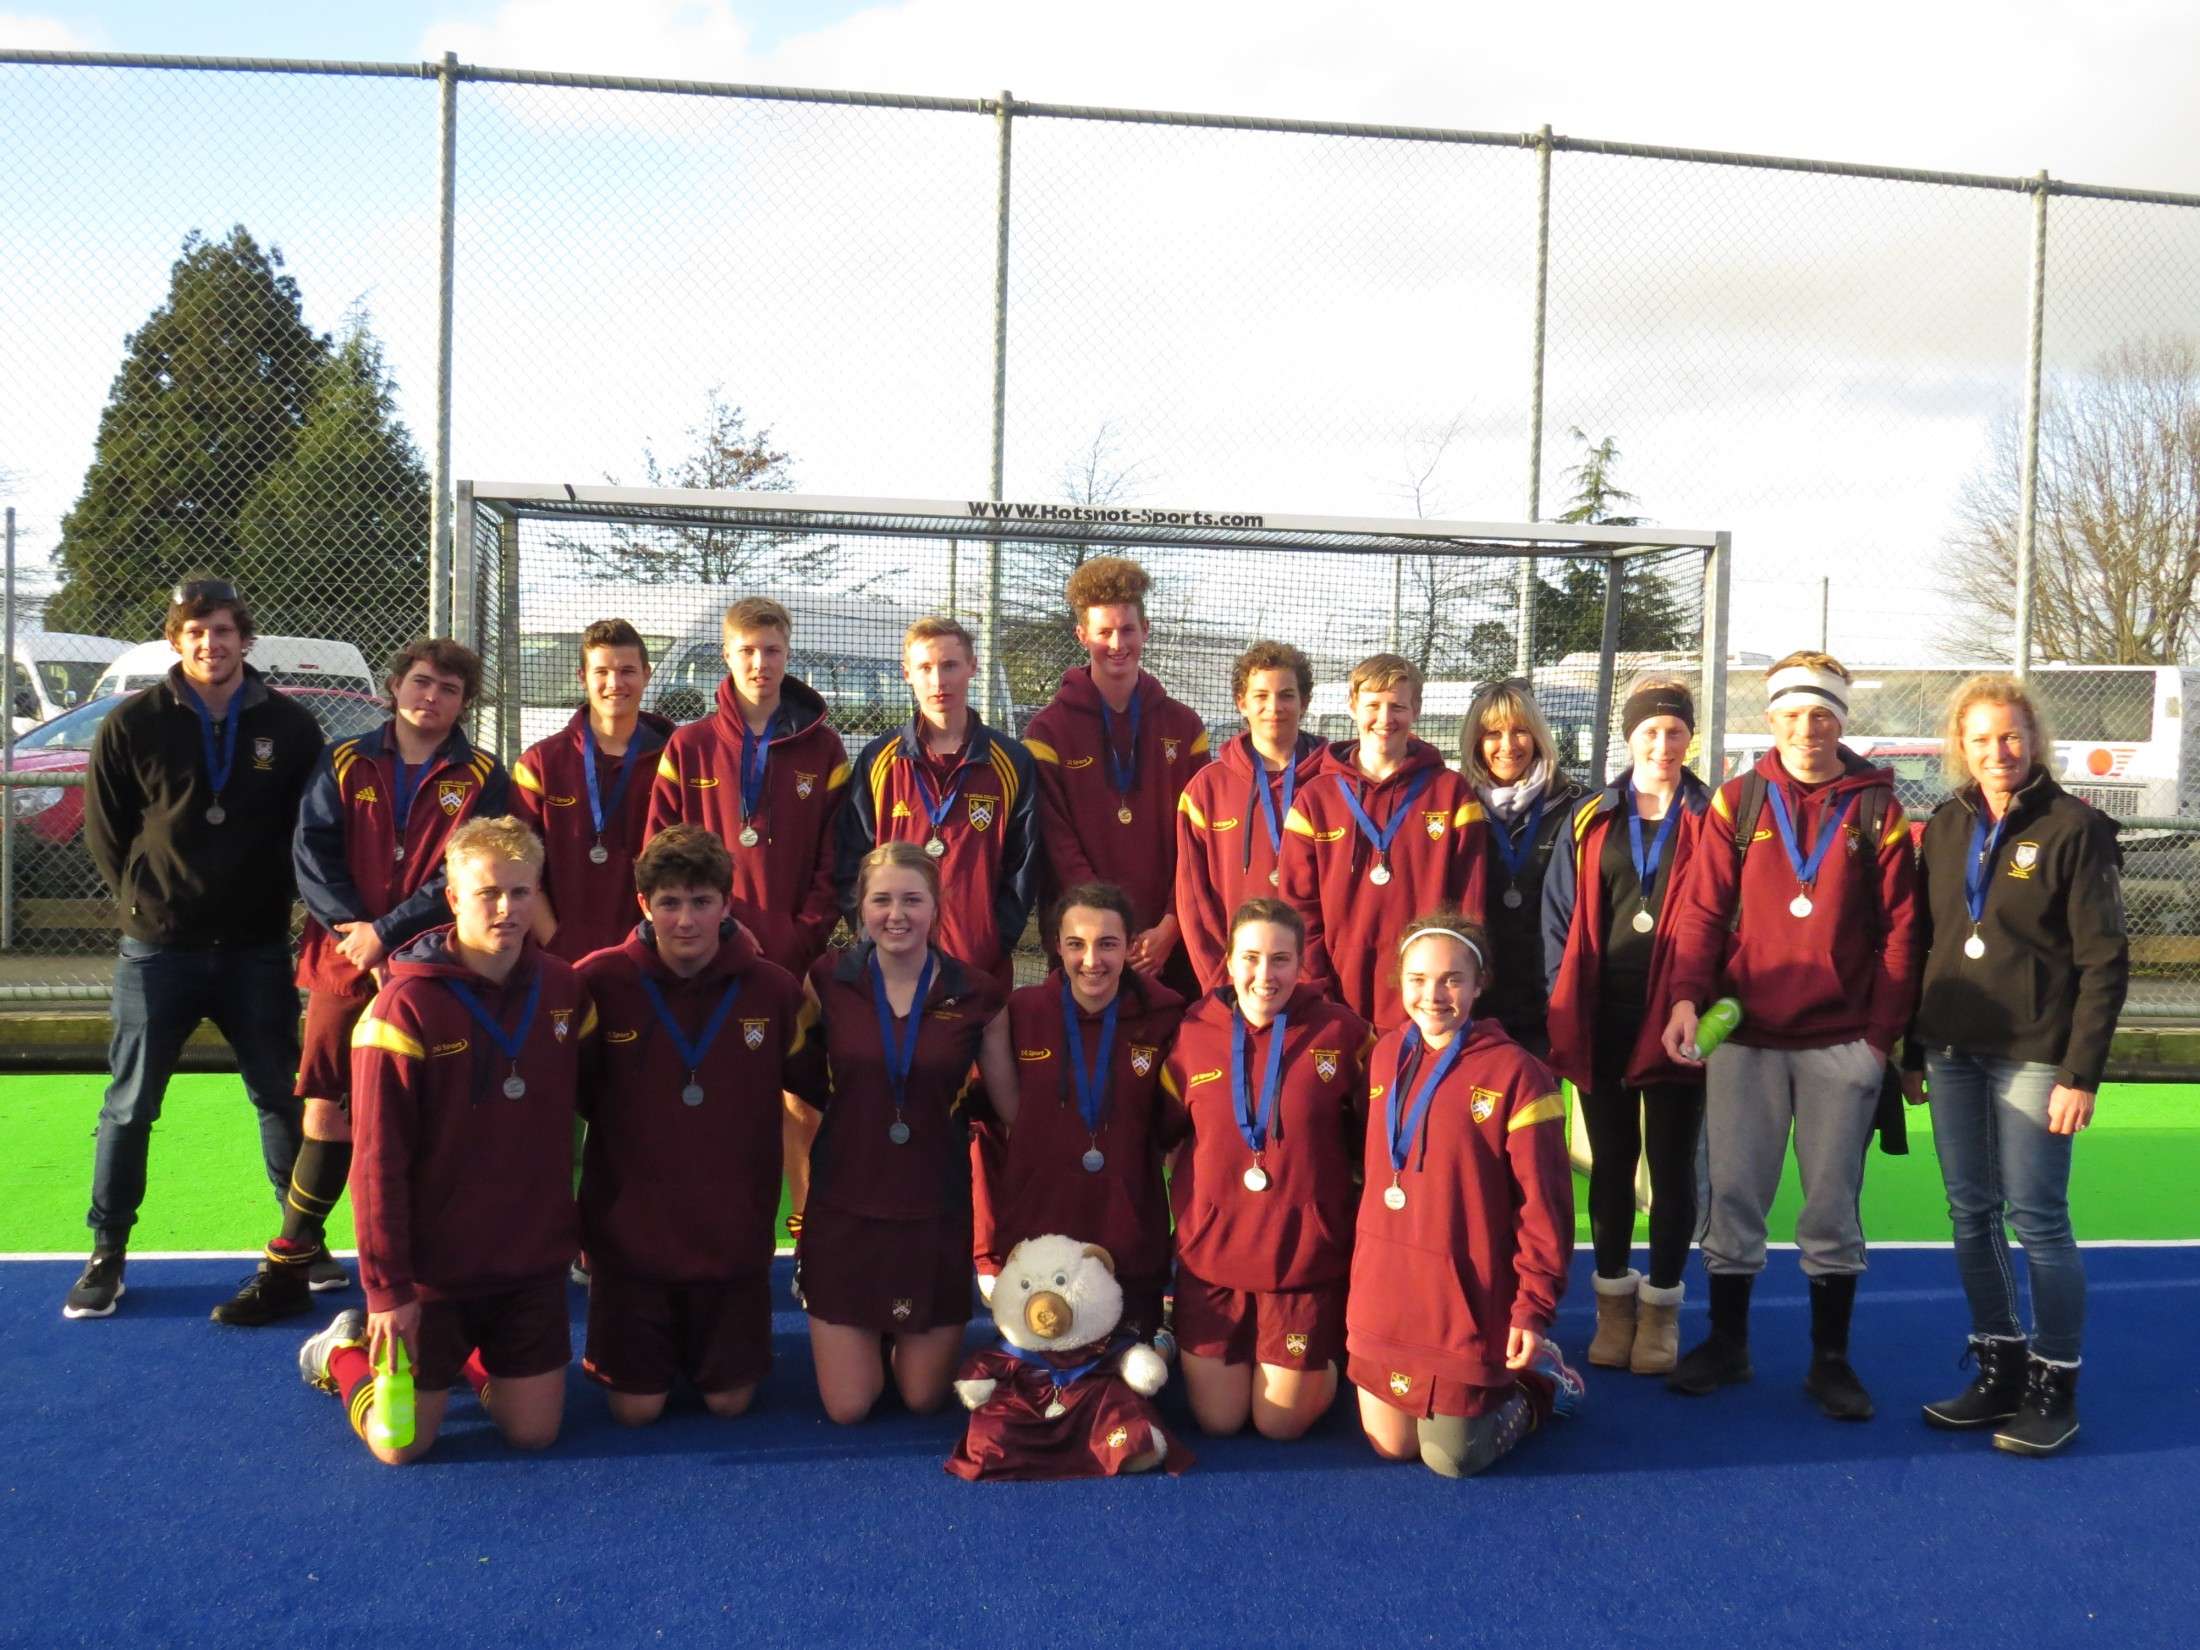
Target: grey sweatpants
(1753, 1098)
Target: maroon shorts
(642, 1337)
(1416, 1388)
(520, 1331)
(897, 1277)
(1290, 1328)
(324, 1061)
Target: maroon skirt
(897, 1277)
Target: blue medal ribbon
(1122, 771)
(1092, 1096)
(901, 1059)
(1514, 849)
(218, 767)
(1273, 809)
(1979, 872)
(1806, 870)
(693, 1053)
(1401, 1138)
(755, 747)
(1063, 1377)
(1255, 1127)
(1383, 838)
(404, 786)
(1646, 865)
(936, 811)
(508, 1045)
(598, 809)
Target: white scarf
(1512, 802)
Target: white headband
(1480, 961)
(1801, 686)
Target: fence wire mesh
(223, 348)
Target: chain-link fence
(256, 309)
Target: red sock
(353, 1372)
(476, 1374)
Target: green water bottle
(1716, 1024)
(391, 1422)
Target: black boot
(1995, 1391)
(2048, 1417)
(1831, 1381)
(1723, 1358)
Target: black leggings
(1671, 1118)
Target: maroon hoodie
(1353, 923)
(1297, 1232)
(674, 1193)
(788, 874)
(1487, 1230)
(1847, 970)
(1080, 809)
(594, 903)
(1224, 856)
(458, 1190)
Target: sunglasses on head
(203, 590)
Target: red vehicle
(48, 820)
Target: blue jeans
(1998, 1159)
(161, 995)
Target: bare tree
(2116, 539)
(1039, 635)
(1434, 597)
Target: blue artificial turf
(168, 1482)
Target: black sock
(316, 1182)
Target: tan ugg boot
(1614, 1341)
(1657, 1329)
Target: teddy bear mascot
(1064, 1395)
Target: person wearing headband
(1262, 1098)
(191, 793)
(884, 1260)
(1466, 1222)
(2027, 959)
(1080, 1054)
(1386, 829)
(1508, 756)
(1800, 903)
(1607, 952)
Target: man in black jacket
(189, 805)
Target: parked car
(54, 671)
(51, 860)
(286, 661)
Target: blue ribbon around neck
(1383, 838)
(1255, 1128)
(1092, 1094)
(1646, 865)
(901, 1058)
(693, 1053)
(1401, 1138)
(1806, 870)
(218, 767)
(508, 1044)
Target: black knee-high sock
(316, 1182)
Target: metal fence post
(1711, 712)
(1607, 667)
(2028, 484)
(994, 704)
(439, 481)
(511, 688)
(1524, 653)
(7, 757)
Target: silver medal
(515, 1086)
(1123, 814)
(1256, 1179)
(598, 853)
(1799, 906)
(1394, 1197)
(1094, 1161)
(1512, 899)
(692, 1095)
(1380, 874)
(1055, 1408)
(398, 853)
(898, 1133)
(1644, 922)
(1974, 948)
(1275, 879)
(935, 848)
(749, 838)
(216, 814)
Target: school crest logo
(752, 1032)
(1482, 1102)
(2022, 861)
(1295, 1345)
(1400, 1384)
(561, 1023)
(901, 810)
(903, 1308)
(1142, 1058)
(804, 784)
(365, 793)
(1325, 1062)
(450, 795)
(1119, 1437)
(981, 812)
(622, 1036)
(263, 753)
(1169, 749)
(1435, 825)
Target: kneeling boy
(464, 1072)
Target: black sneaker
(325, 1272)
(268, 1296)
(1834, 1384)
(1995, 1392)
(1720, 1361)
(95, 1293)
(2048, 1417)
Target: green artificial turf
(2133, 1177)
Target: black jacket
(1517, 998)
(178, 880)
(2057, 959)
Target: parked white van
(286, 661)
(53, 670)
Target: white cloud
(22, 31)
